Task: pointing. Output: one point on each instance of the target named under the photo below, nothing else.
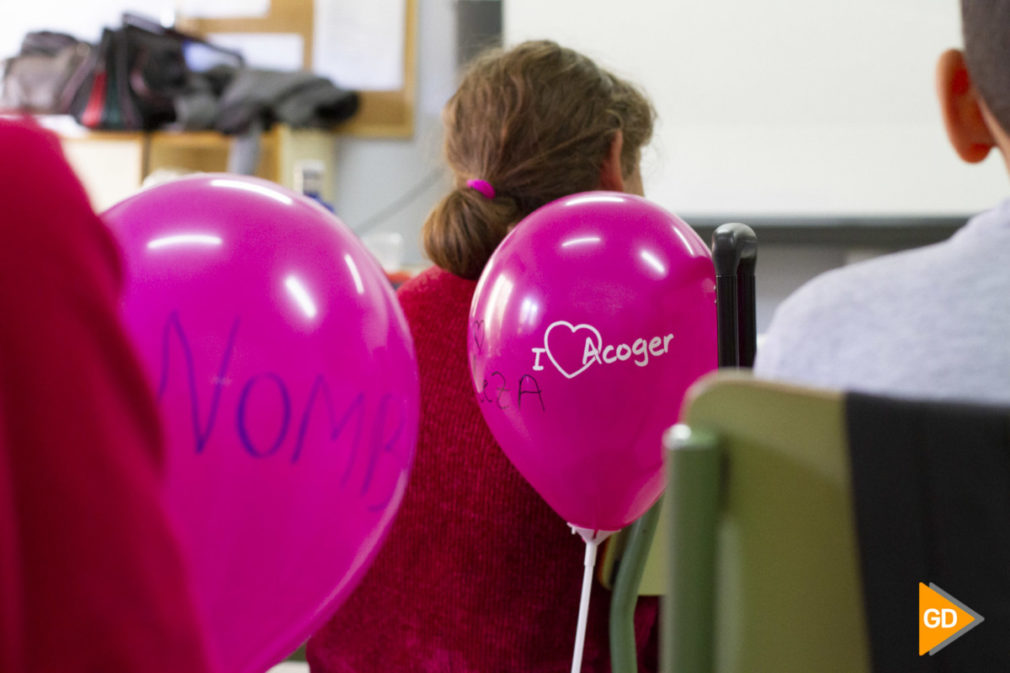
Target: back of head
(986, 27)
(536, 122)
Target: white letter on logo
(590, 353)
(640, 347)
(536, 360)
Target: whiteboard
(783, 107)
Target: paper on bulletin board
(359, 45)
(223, 9)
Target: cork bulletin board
(383, 114)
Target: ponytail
(465, 228)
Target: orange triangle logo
(942, 619)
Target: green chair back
(763, 554)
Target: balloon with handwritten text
(588, 324)
(287, 383)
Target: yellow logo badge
(942, 619)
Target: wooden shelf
(102, 136)
(115, 164)
(197, 139)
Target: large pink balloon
(287, 381)
(588, 324)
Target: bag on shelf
(37, 78)
(133, 77)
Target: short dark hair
(536, 122)
(986, 28)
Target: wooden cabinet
(114, 165)
(111, 165)
(280, 150)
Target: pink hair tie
(482, 186)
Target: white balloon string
(587, 587)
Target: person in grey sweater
(932, 322)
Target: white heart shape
(573, 328)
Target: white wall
(779, 106)
(84, 19)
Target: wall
(83, 20)
(783, 107)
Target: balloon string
(587, 587)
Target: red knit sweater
(478, 574)
(91, 577)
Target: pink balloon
(287, 382)
(588, 324)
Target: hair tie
(482, 186)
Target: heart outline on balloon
(573, 329)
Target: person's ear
(611, 175)
(962, 108)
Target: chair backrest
(800, 522)
(763, 555)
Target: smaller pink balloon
(588, 325)
(287, 382)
